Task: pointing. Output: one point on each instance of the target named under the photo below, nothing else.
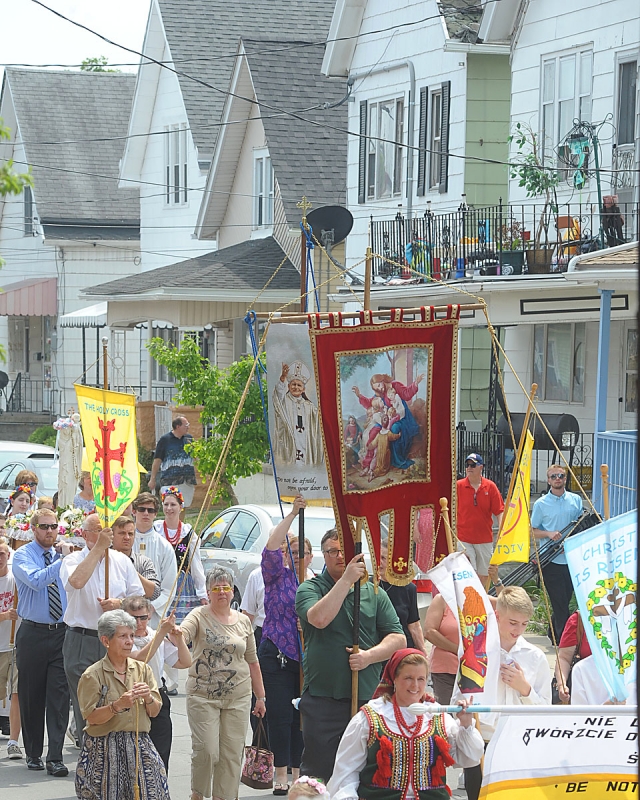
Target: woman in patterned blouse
(279, 651)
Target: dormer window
(176, 164)
(262, 189)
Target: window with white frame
(28, 211)
(566, 96)
(263, 189)
(160, 373)
(176, 164)
(627, 89)
(559, 361)
(435, 139)
(385, 154)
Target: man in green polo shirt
(324, 605)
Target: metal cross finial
(305, 205)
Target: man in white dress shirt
(83, 577)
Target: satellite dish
(4, 380)
(331, 224)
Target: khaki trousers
(217, 739)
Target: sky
(29, 34)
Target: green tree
(96, 64)
(219, 392)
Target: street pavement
(26, 785)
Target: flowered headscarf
(175, 492)
(24, 488)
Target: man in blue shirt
(551, 513)
(43, 683)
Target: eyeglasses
(140, 616)
(146, 510)
(32, 483)
(471, 464)
(47, 526)
(220, 588)
(334, 552)
(557, 475)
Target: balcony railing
(494, 240)
(32, 396)
(618, 449)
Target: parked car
(237, 536)
(39, 458)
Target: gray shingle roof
(462, 18)
(55, 106)
(309, 154)
(247, 265)
(203, 37)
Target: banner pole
(367, 281)
(444, 513)
(301, 578)
(105, 386)
(356, 621)
(604, 474)
(516, 463)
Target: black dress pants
(43, 690)
(281, 686)
(557, 581)
(324, 720)
(162, 728)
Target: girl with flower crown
(389, 753)
(18, 513)
(184, 540)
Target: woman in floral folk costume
(387, 753)
(181, 536)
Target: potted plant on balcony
(537, 179)
(512, 242)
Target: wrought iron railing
(494, 240)
(159, 394)
(32, 396)
(497, 451)
(619, 451)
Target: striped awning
(35, 297)
(94, 316)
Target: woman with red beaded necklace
(181, 536)
(387, 753)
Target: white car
(39, 458)
(237, 536)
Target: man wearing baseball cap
(479, 501)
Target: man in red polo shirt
(479, 500)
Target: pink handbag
(257, 771)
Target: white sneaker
(14, 751)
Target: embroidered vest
(393, 758)
(180, 549)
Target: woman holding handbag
(222, 675)
(280, 646)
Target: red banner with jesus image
(386, 393)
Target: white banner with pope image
(294, 418)
(479, 649)
(603, 563)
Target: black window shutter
(444, 138)
(362, 156)
(422, 142)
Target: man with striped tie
(41, 605)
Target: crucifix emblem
(107, 455)
(400, 564)
(305, 205)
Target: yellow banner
(594, 786)
(513, 543)
(109, 428)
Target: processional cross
(105, 454)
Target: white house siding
(612, 28)
(166, 230)
(423, 45)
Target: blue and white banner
(603, 563)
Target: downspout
(410, 115)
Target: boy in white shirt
(525, 675)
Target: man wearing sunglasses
(479, 501)
(124, 534)
(44, 693)
(551, 513)
(154, 546)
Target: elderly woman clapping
(224, 671)
(118, 696)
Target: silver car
(39, 458)
(237, 536)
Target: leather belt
(85, 631)
(53, 626)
